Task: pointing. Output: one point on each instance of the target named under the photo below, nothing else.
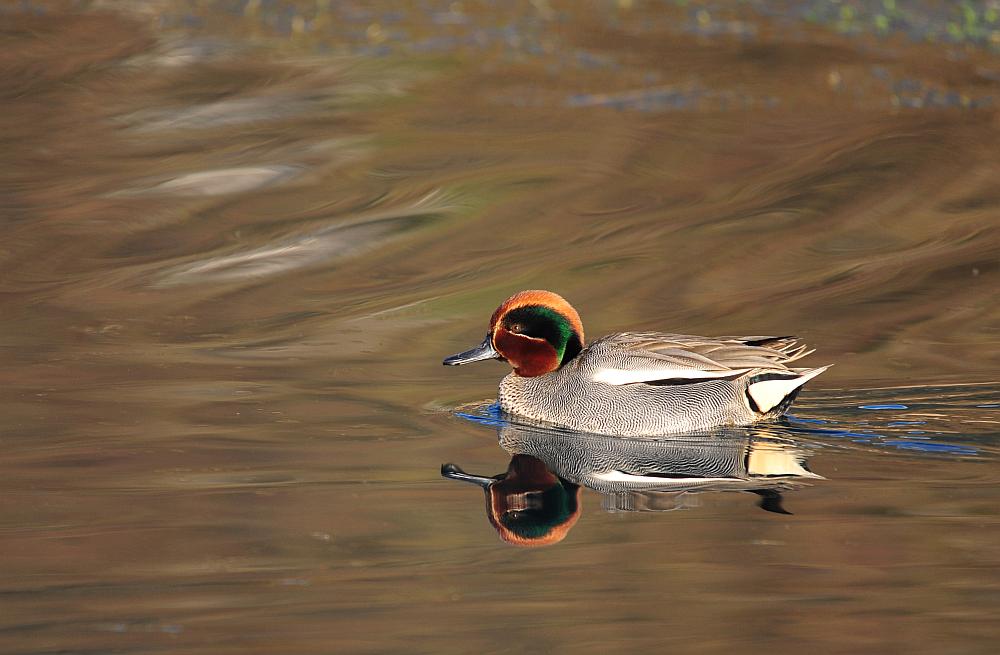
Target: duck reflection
(537, 500)
(528, 505)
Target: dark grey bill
(479, 353)
(454, 473)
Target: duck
(633, 384)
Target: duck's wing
(660, 358)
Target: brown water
(240, 236)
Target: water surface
(240, 236)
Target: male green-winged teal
(633, 383)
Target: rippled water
(240, 236)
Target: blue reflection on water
(490, 415)
(930, 447)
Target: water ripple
(218, 182)
(322, 246)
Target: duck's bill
(483, 351)
(454, 473)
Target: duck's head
(536, 331)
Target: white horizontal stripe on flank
(621, 476)
(617, 376)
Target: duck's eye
(517, 328)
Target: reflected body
(633, 383)
(536, 501)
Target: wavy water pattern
(239, 237)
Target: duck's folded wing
(658, 358)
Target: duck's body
(634, 383)
(650, 383)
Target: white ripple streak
(322, 246)
(219, 182)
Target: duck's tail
(772, 393)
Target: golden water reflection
(239, 236)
